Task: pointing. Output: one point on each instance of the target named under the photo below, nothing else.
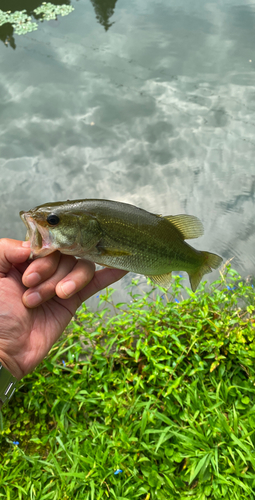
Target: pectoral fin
(188, 225)
(163, 280)
(113, 252)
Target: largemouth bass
(122, 236)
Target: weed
(155, 402)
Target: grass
(162, 390)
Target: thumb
(12, 252)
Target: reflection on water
(104, 9)
(158, 111)
(6, 35)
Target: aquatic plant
(23, 23)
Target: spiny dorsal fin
(188, 225)
(163, 280)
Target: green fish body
(120, 235)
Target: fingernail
(32, 279)
(25, 244)
(68, 288)
(33, 299)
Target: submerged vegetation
(155, 401)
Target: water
(153, 105)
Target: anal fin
(163, 280)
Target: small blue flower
(180, 275)
(176, 300)
(16, 443)
(97, 296)
(64, 363)
(231, 287)
(118, 471)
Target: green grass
(163, 390)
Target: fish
(120, 235)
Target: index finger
(12, 252)
(41, 269)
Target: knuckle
(47, 289)
(87, 266)
(48, 264)
(97, 282)
(3, 242)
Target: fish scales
(120, 235)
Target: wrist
(11, 366)
(7, 385)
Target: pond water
(150, 103)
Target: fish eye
(53, 220)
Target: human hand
(36, 304)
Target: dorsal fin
(188, 225)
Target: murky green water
(157, 110)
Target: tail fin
(211, 261)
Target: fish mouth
(40, 238)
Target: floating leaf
(22, 22)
